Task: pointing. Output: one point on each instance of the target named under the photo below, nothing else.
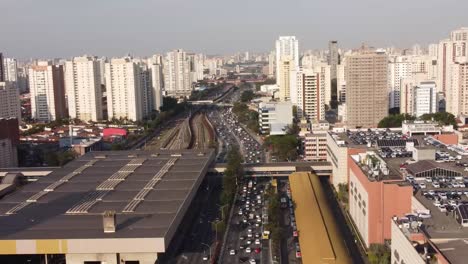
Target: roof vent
(176, 155)
(100, 156)
(109, 221)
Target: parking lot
(246, 242)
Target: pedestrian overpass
(279, 169)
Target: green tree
(247, 96)
(285, 147)
(394, 120)
(378, 254)
(442, 118)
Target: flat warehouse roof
(148, 190)
(319, 236)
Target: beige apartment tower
(366, 88)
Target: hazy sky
(64, 28)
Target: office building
(9, 101)
(124, 89)
(177, 74)
(10, 67)
(366, 88)
(84, 90)
(47, 89)
(333, 60)
(425, 99)
(9, 139)
(287, 58)
(308, 94)
(275, 117)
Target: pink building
(376, 194)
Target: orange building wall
(449, 139)
(385, 200)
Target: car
(232, 252)
(242, 237)
(252, 261)
(422, 185)
(443, 208)
(257, 241)
(205, 257)
(248, 250)
(249, 242)
(257, 250)
(435, 184)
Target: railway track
(194, 132)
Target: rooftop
(149, 191)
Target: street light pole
(209, 248)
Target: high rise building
(284, 75)
(9, 139)
(308, 94)
(425, 99)
(271, 64)
(177, 74)
(287, 56)
(457, 97)
(124, 89)
(157, 82)
(9, 101)
(366, 88)
(47, 88)
(83, 86)
(10, 68)
(333, 60)
(450, 51)
(2, 71)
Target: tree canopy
(283, 146)
(394, 120)
(443, 118)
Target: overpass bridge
(275, 169)
(279, 169)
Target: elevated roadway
(279, 169)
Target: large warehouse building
(105, 207)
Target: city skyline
(201, 27)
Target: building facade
(124, 90)
(425, 99)
(177, 74)
(375, 199)
(274, 118)
(308, 94)
(9, 101)
(9, 139)
(83, 86)
(47, 89)
(366, 88)
(287, 58)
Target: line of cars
(249, 222)
(253, 152)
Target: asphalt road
(191, 248)
(238, 234)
